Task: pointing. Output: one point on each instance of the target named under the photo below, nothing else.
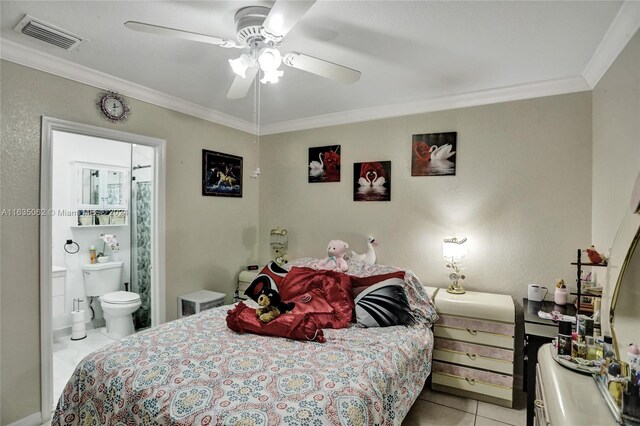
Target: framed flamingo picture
(434, 154)
(372, 181)
(324, 164)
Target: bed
(195, 371)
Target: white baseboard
(34, 419)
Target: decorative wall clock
(113, 106)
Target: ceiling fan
(261, 30)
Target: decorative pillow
(381, 300)
(270, 278)
(423, 309)
(334, 307)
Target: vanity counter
(567, 398)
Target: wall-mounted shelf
(99, 226)
(93, 218)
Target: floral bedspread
(195, 371)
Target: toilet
(103, 280)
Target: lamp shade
(279, 238)
(240, 65)
(269, 59)
(454, 249)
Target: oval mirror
(621, 294)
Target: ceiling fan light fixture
(240, 65)
(269, 59)
(271, 76)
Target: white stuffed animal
(368, 257)
(335, 261)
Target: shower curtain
(141, 253)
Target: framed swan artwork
(221, 174)
(372, 181)
(324, 164)
(434, 154)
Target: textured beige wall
(522, 193)
(616, 142)
(207, 238)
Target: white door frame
(158, 310)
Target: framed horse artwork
(221, 174)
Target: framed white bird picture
(324, 164)
(434, 154)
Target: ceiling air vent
(48, 33)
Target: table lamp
(279, 242)
(454, 251)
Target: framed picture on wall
(434, 154)
(221, 174)
(372, 181)
(324, 164)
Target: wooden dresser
(474, 346)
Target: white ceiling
(407, 51)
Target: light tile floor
(435, 408)
(68, 353)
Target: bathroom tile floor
(68, 353)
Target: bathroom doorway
(102, 198)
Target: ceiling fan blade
(172, 32)
(241, 86)
(321, 67)
(284, 15)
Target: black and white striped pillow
(381, 301)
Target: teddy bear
(272, 306)
(335, 261)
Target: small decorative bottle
(92, 254)
(564, 338)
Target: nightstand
(474, 345)
(245, 278)
(194, 303)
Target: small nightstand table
(245, 278)
(474, 344)
(537, 332)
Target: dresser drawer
(470, 380)
(493, 327)
(472, 374)
(474, 336)
(474, 356)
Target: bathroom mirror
(90, 186)
(115, 187)
(621, 294)
(101, 187)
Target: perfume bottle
(591, 348)
(607, 347)
(564, 338)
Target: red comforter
(323, 300)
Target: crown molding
(623, 27)
(33, 58)
(15, 52)
(481, 97)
